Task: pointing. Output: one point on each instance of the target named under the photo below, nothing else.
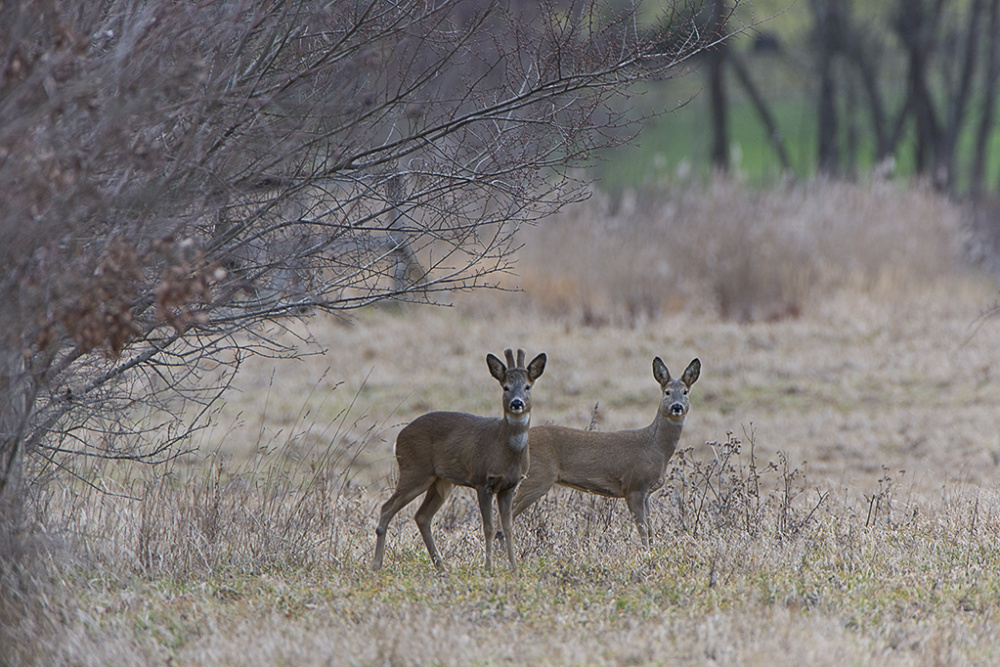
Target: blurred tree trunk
(852, 132)
(958, 100)
(941, 46)
(977, 176)
(865, 58)
(717, 88)
(915, 25)
(828, 19)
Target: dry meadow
(836, 500)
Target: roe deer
(620, 464)
(439, 450)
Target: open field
(841, 341)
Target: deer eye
(686, 391)
(527, 387)
(506, 387)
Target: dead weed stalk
(725, 492)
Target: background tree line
(915, 81)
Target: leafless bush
(725, 493)
(727, 497)
(177, 175)
(880, 501)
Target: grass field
(836, 501)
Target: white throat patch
(519, 442)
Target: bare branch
(179, 176)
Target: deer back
(611, 463)
(462, 448)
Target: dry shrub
(290, 500)
(283, 512)
(250, 552)
(24, 616)
(982, 224)
(732, 492)
(747, 255)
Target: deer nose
(517, 405)
(677, 408)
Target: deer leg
(403, 496)
(638, 503)
(486, 509)
(436, 495)
(529, 492)
(504, 501)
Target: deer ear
(536, 367)
(692, 373)
(497, 369)
(660, 372)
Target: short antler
(509, 354)
(520, 359)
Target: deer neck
(666, 432)
(515, 429)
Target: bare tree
(928, 55)
(829, 16)
(176, 176)
(719, 22)
(991, 75)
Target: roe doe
(621, 464)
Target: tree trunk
(915, 27)
(876, 107)
(12, 415)
(717, 91)
(977, 176)
(944, 157)
(826, 14)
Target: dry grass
(856, 521)
(746, 255)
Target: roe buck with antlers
(439, 450)
(620, 464)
